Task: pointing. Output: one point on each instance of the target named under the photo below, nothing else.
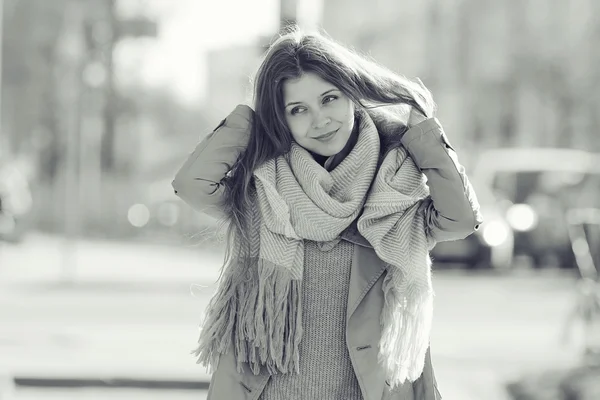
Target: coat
(456, 215)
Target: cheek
(350, 121)
(298, 127)
(349, 114)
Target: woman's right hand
(198, 180)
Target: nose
(321, 121)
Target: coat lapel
(365, 270)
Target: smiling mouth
(327, 135)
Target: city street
(130, 313)
(124, 122)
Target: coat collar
(352, 235)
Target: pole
(73, 25)
(1, 52)
(310, 14)
(288, 13)
(3, 141)
(108, 139)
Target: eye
(296, 110)
(329, 98)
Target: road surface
(129, 313)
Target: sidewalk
(131, 315)
(103, 311)
(48, 259)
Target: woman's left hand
(415, 117)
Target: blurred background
(104, 272)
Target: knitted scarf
(258, 301)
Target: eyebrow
(299, 102)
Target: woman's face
(320, 117)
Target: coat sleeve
(198, 181)
(454, 211)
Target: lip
(327, 136)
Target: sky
(188, 29)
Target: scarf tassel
(406, 323)
(265, 318)
(220, 319)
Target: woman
(327, 289)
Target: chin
(333, 153)
(329, 151)
(332, 148)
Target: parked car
(524, 195)
(15, 203)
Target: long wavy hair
(292, 54)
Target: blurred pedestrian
(327, 289)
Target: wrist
(415, 118)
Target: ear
(357, 109)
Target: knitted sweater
(326, 371)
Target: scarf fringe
(406, 323)
(219, 320)
(264, 321)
